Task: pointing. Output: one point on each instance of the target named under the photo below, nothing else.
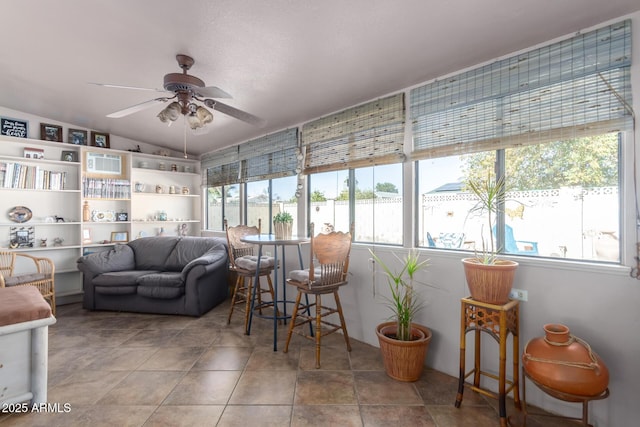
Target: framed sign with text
(14, 127)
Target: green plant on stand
(403, 302)
(489, 278)
(283, 217)
(491, 198)
(282, 225)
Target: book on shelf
(22, 176)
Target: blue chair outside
(512, 246)
(430, 240)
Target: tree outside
(587, 162)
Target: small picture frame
(50, 132)
(122, 216)
(119, 236)
(69, 156)
(86, 236)
(77, 137)
(33, 153)
(21, 237)
(14, 127)
(100, 140)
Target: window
(363, 146)
(327, 201)
(223, 202)
(255, 163)
(378, 204)
(376, 197)
(443, 204)
(266, 198)
(562, 200)
(550, 121)
(283, 198)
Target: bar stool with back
(243, 262)
(327, 272)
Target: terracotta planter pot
(490, 283)
(403, 360)
(565, 363)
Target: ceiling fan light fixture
(171, 113)
(194, 121)
(204, 115)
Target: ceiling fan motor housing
(176, 82)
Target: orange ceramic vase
(565, 363)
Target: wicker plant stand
(498, 321)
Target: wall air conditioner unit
(104, 164)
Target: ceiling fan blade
(211, 92)
(127, 87)
(136, 108)
(234, 112)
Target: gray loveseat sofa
(167, 275)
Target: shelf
(92, 223)
(166, 194)
(104, 199)
(16, 159)
(34, 224)
(69, 202)
(170, 172)
(40, 248)
(36, 190)
(98, 245)
(171, 221)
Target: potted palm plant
(489, 278)
(403, 342)
(282, 225)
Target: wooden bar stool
(327, 272)
(244, 263)
(498, 321)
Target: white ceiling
(285, 61)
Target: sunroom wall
(597, 302)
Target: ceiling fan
(186, 89)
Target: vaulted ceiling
(284, 61)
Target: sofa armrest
(120, 258)
(208, 258)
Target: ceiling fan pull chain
(184, 129)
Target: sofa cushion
(164, 285)
(121, 278)
(151, 253)
(189, 248)
(120, 258)
(116, 290)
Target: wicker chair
(42, 278)
(243, 262)
(327, 272)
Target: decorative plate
(20, 214)
(103, 216)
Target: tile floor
(129, 369)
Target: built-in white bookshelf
(52, 184)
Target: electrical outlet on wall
(519, 294)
